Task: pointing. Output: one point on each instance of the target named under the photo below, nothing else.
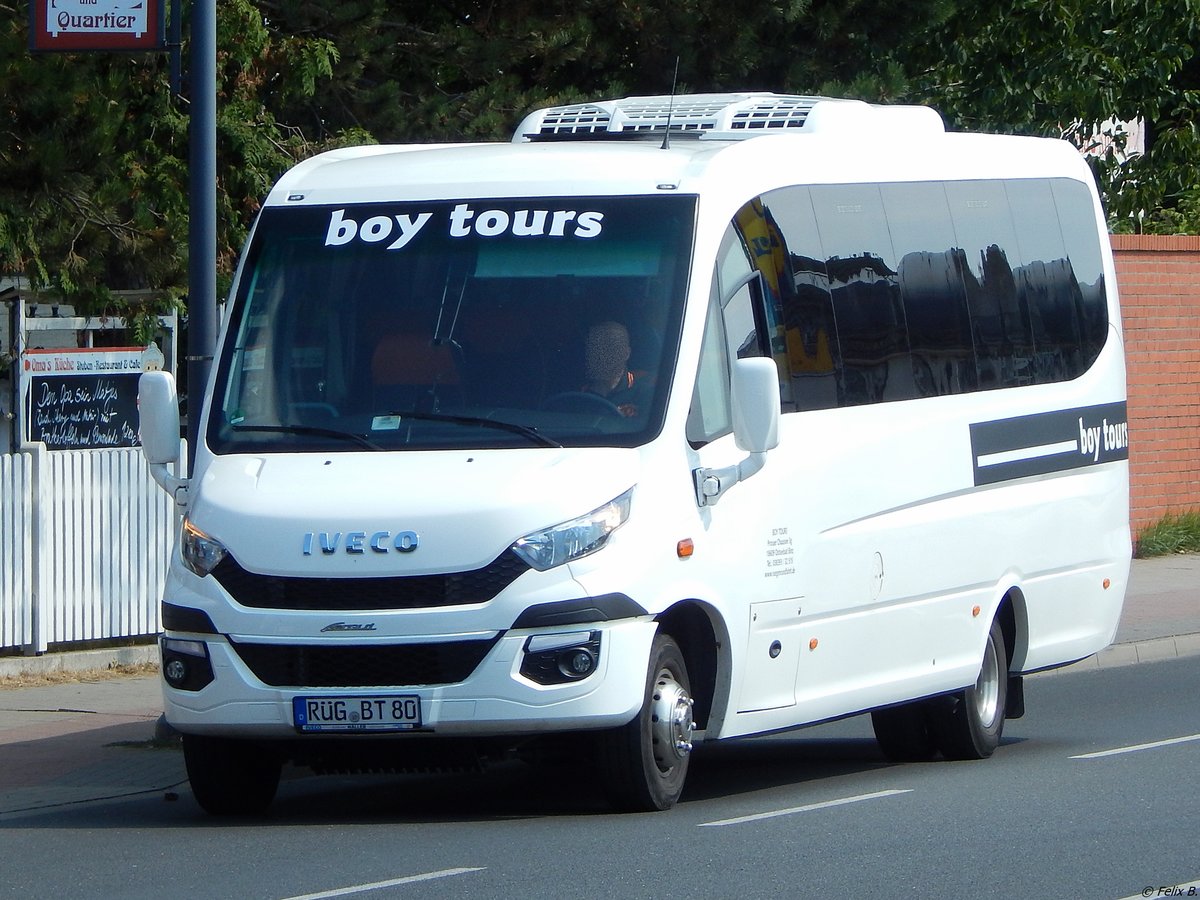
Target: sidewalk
(1161, 618)
(91, 740)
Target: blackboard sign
(82, 399)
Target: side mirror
(755, 391)
(755, 394)
(158, 411)
(158, 427)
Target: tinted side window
(1045, 284)
(931, 288)
(744, 326)
(1000, 324)
(811, 346)
(768, 252)
(1077, 219)
(710, 415)
(864, 283)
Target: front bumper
(494, 699)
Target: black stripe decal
(1056, 441)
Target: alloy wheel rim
(987, 687)
(671, 725)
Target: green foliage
(93, 150)
(81, 206)
(94, 158)
(1062, 67)
(464, 69)
(1182, 218)
(1170, 534)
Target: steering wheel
(581, 400)
(327, 408)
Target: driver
(606, 368)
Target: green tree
(94, 160)
(469, 69)
(1062, 67)
(93, 153)
(94, 156)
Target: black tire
(644, 764)
(903, 732)
(968, 724)
(230, 777)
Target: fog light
(561, 657)
(175, 672)
(185, 664)
(576, 663)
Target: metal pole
(202, 221)
(175, 47)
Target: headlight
(577, 538)
(201, 553)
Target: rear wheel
(644, 763)
(903, 732)
(230, 777)
(969, 723)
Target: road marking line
(802, 809)
(377, 885)
(1136, 747)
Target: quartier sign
(79, 25)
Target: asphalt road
(814, 813)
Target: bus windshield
(455, 324)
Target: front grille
(363, 665)
(342, 594)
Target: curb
(1152, 650)
(78, 660)
(1132, 653)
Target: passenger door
(746, 538)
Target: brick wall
(1159, 281)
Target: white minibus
(673, 420)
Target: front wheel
(230, 777)
(968, 724)
(643, 764)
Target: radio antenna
(666, 144)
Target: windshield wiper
(525, 430)
(310, 430)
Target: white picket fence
(16, 550)
(85, 537)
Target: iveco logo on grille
(349, 626)
(360, 542)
